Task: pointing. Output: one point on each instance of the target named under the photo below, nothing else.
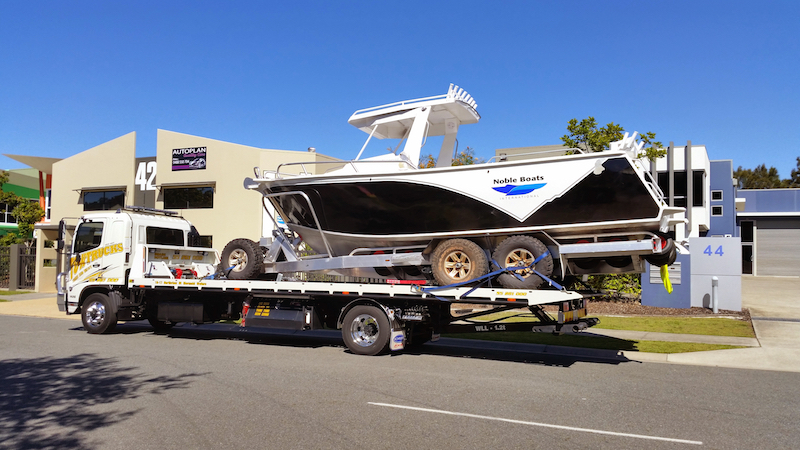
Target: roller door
(778, 247)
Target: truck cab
(100, 252)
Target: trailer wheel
(458, 260)
(521, 251)
(366, 330)
(244, 256)
(97, 315)
(667, 257)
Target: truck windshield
(165, 236)
(88, 236)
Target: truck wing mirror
(62, 229)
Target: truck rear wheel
(366, 330)
(241, 259)
(458, 260)
(97, 314)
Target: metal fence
(27, 268)
(17, 267)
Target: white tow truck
(145, 264)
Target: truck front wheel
(97, 314)
(366, 330)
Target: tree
(464, 158)
(794, 181)
(26, 213)
(586, 136)
(760, 178)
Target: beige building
(200, 178)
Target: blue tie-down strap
(217, 275)
(485, 278)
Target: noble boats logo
(516, 189)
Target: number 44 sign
(709, 252)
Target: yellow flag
(665, 279)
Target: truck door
(66, 232)
(87, 252)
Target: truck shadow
(549, 355)
(57, 402)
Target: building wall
(237, 212)
(523, 153)
(777, 246)
(721, 182)
(107, 165)
(775, 218)
(698, 161)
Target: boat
(573, 214)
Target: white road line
(538, 424)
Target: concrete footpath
(774, 304)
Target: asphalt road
(198, 387)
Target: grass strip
(709, 326)
(603, 343)
(6, 293)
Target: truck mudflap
(61, 293)
(397, 341)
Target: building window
(716, 195)
(716, 210)
(189, 197)
(746, 230)
(47, 204)
(5, 214)
(698, 176)
(681, 189)
(103, 200)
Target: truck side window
(165, 236)
(88, 236)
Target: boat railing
(304, 171)
(653, 184)
(560, 150)
(310, 208)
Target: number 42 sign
(142, 179)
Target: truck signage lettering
(89, 256)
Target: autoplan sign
(192, 158)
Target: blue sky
(287, 75)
